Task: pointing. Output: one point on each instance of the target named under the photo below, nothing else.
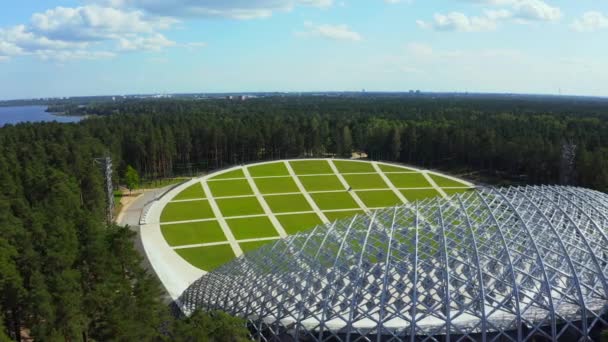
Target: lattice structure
(510, 264)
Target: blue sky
(96, 47)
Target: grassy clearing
(393, 168)
(345, 166)
(192, 192)
(117, 203)
(298, 222)
(366, 181)
(445, 182)
(238, 187)
(251, 228)
(321, 183)
(408, 180)
(376, 199)
(337, 215)
(193, 233)
(207, 258)
(276, 185)
(264, 170)
(419, 194)
(310, 167)
(334, 200)
(287, 203)
(184, 211)
(251, 246)
(238, 173)
(239, 206)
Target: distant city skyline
(61, 48)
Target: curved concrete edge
(175, 273)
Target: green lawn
(236, 187)
(334, 200)
(366, 181)
(337, 215)
(184, 211)
(239, 206)
(251, 228)
(408, 180)
(192, 192)
(264, 170)
(238, 173)
(287, 203)
(251, 246)
(207, 258)
(321, 183)
(275, 181)
(193, 233)
(451, 192)
(445, 182)
(419, 194)
(310, 167)
(298, 222)
(276, 185)
(391, 168)
(345, 166)
(377, 199)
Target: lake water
(15, 115)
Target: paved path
(352, 193)
(273, 219)
(129, 215)
(435, 186)
(302, 189)
(389, 183)
(222, 221)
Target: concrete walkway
(304, 192)
(389, 183)
(236, 249)
(435, 186)
(275, 223)
(129, 216)
(352, 193)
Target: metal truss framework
(507, 264)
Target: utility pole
(106, 166)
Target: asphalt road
(130, 216)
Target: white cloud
(334, 32)
(154, 42)
(77, 33)
(317, 3)
(66, 55)
(131, 25)
(535, 10)
(457, 21)
(232, 9)
(590, 22)
(94, 22)
(521, 11)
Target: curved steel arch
(511, 263)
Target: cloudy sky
(96, 47)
